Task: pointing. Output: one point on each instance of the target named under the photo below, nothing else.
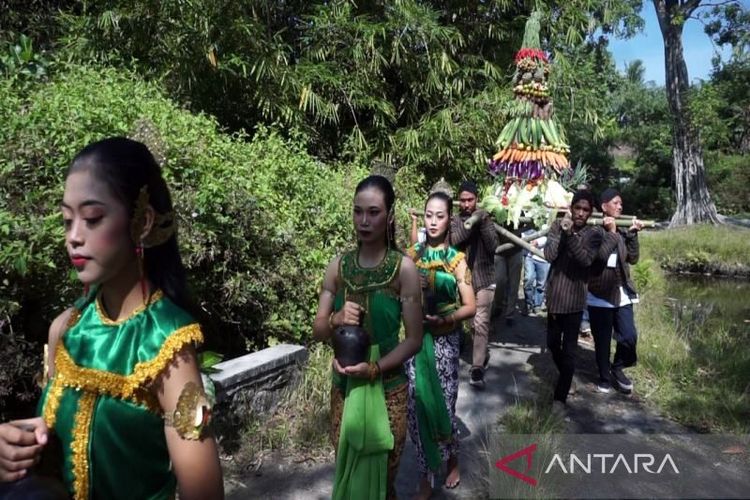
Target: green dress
(368, 419)
(433, 371)
(372, 288)
(99, 403)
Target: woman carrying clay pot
(377, 287)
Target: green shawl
(433, 418)
(364, 441)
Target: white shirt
(594, 301)
(539, 242)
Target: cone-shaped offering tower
(532, 150)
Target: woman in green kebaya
(433, 372)
(124, 394)
(377, 286)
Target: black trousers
(508, 267)
(603, 321)
(562, 340)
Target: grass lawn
(700, 248)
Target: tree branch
(716, 4)
(717, 49)
(689, 6)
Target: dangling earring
(140, 257)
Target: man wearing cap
(611, 295)
(571, 248)
(479, 244)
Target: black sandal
(476, 376)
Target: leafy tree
(406, 82)
(587, 106)
(730, 25)
(694, 203)
(645, 137)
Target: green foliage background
(258, 217)
(266, 114)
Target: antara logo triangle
(528, 452)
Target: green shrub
(258, 219)
(647, 276)
(728, 180)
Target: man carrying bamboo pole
(478, 243)
(611, 295)
(571, 248)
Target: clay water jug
(351, 344)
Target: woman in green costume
(124, 394)
(378, 285)
(433, 372)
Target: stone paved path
(518, 361)
(507, 381)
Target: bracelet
(373, 370)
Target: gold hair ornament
(163, 228)
(192, 415)
(442, 186)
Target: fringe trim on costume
(436, 264)
(80, 446)
(147, 371)
(132, 386)
(52, 402)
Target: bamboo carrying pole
(594, 220)
(518, 241)
(529, 237)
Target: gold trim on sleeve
(147, 371)
(69, 374)
(52, 403)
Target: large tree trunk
(694, 203)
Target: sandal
(476, 376)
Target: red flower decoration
(533, 53)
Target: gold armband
(192, 415)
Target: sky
(649, 48)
